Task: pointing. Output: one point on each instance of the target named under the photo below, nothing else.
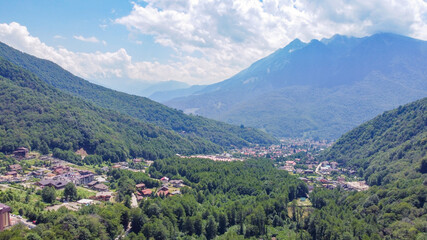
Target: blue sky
(127, 44)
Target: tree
(70, 192)
(211, 228)
(124, 219)
(127, 201)
(43, 148)
(138, 220)
(277, 221)
(222, 223)
(423, 167)
(198, 226)
(48, 194)
(126, 186)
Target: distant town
(297, 156)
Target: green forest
(235, 200)
(37, 116)
(144, 109)
(390, 152)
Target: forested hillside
(387, 148)
(35, 115)
(139, 107)
(390, 152)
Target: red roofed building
(146, 192)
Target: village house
(103, 196)
(91, 184)
(58, 184)
(12, 173)
(146, 192)
(117, 166)
(100, 187)
(15, 167)
(177, 183)
(164, 180)
(140, 186)
(4, 216)
(86, 177)
(21, 153)
(60, 169)
(37, 173)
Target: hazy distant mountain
(318, 89)
(170, 85)
(142, 108)
(163, 96)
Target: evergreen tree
(211, 228)
(222, 223)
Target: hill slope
(38, 116)
(318, 89)
(391, 153)
(389, 147)
(139, 107)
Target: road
(317, 169)
(134, 202)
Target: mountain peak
(294, 45)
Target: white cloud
(88, 39)
(226, 35)
(103, 26)
(108, 68)
(232, 34)
(59, 37)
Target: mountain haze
(319, 89)
(220, 133)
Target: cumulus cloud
(226, 36)
(88, 65)
(86, 39)
(106, 68)
(232, 34)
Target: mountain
(319, 89)
(387, 148)
(390, 152)
(170, 85)
(166, 95)
(38, 116)
(220, 133)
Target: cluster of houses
(286, 148)
(164, 190)
(225, 157)
(332, 184)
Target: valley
(80, 161)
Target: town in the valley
(32, 171)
